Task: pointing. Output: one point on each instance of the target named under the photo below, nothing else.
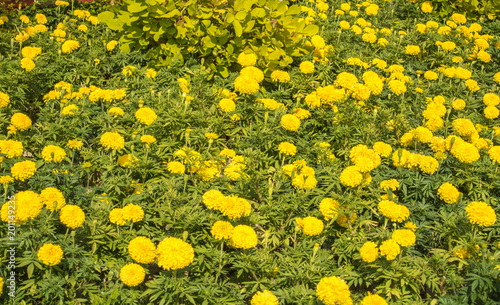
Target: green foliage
(473, 9)
(215, 31)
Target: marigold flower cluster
(448, 193)
(369, 252)
(131, 212)
(142, 250)
(395, 212)
(132, 274)
(310, 225)
(480, 213)
(50, 254)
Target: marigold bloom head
(53, 153)
(306, 67)
(69, 46)
(404, 237)
(448, 193)
(290, 122)
(287, 148)
(373, 299)
(20, 121)
(142, 250)
(50, 254)
(133, 212)
(369, 252)
(146, 115)
(112, 140)
(74, 144)
(246, 84)
(479, 213)
(23, 170)
(265, 297)
(395, 212)
(116, 216)
(174, 253)
(222, 230)
(280, 76)
(244, 237)
(11, 148)
(132, 274)
(390, 248)
(51, 197)
(351, 176)
(148, 139)
(333, 291)
(310, 225)
(247, 59)
(28, 205)
(227, 105)
(72, 216)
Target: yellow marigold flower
(151, 73)
(214, 200)
(472, 85)
(351, 176)
(395, 212)
(227, 105)
(24, 19)
(82, 28)
(110, 46)
(247, 59)
(146, 116)
(127, 160)
(307, 67)
(133, 213)
(491, 112)
(4, 100)
(427, 7)
(404, 237)
(72, 216)
(458, 104)
(480, 213)
(51, 196)
(132, 274)
(329, 208)
(373, 299)
(494, 154)
(392, 184)
(287, 148)
(412, 50)
(31, 52)
(112, 140)
(318, 42)
(246, 85)
(50, 254)
(369, 252)
(301, 113)
(61, 3)
(75, 144)
(27, 64)
(465, 152)
(148, 139)
(397, 87)
(390, 249)
(491, 99)
(266, 297)
(310, 225)
(116, 111)
(369, 37)
(448, 193)
(428, 164)
(116, 216)
(20, 121)
(176, 167)
(280, 76)
(68, 110)
(174, 253)
(459, 18)
(430, 75)
(290, 122)
(383, 149)
(222, 230)
(211, 136)
(11, 148)
(235, 207)
(28, 206)
(333, 291)
(53, 153)
(69, 46)
(23, 170)
(252, 72)
(5, 180)
(142, 250)
(244, 237)
(128, 70)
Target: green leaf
(258, 12)
(136, 7)
(105, 16)
(237, 28)
(311, 29)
